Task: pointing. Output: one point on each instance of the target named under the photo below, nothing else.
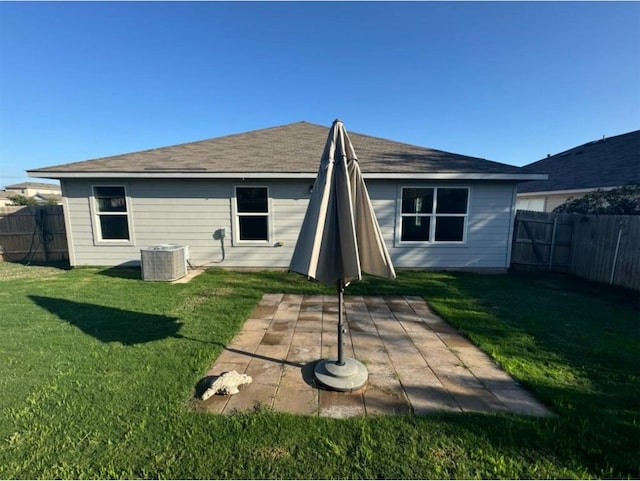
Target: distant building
(603, 164)
(4, 198)
(41, 192)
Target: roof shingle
(609, 162)
(288, 149)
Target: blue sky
(509, 82)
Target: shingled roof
(288, 151)
(32, 185)
(609, 162)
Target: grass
(99, 368)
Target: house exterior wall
(192, 212)
(545, 202)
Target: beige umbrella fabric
(339, 239)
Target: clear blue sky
(509, 82)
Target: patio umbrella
(339, 239)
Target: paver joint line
(417, 362)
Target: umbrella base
(350, 376)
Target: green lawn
(98, 369)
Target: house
(31, 189)
(238, 201)
(602, 164)
(40, 192)
(4, 198)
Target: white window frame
(236, 216)
(431, 216)
(96, 214)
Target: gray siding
(189, 212)
(488, 230)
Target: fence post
(553, 241)
(615, 255)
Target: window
(111, 213)
(252, 214)
(433, 214)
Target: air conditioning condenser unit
(164, 262)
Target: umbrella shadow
(263, 358)
(306, 371)
(306, 368)
(110, 324)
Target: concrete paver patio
(417, 362)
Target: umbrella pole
(340, 361)
(344, 373)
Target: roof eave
(285, 175)
(457, 176)
(582, 190)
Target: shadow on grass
(110, 324)
(122, 272)
(61, 264)
(574, 344)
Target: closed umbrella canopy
(340, 237)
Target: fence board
(33, 233)
(583, 245)
(608, 246)
(541, 242)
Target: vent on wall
(164, 262)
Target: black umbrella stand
(343, 373)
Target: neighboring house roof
(49, 198)
(5, 196)
(609, 162)
(33, 186)
(288, 151)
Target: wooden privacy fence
(601, 248)
(33, 234)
